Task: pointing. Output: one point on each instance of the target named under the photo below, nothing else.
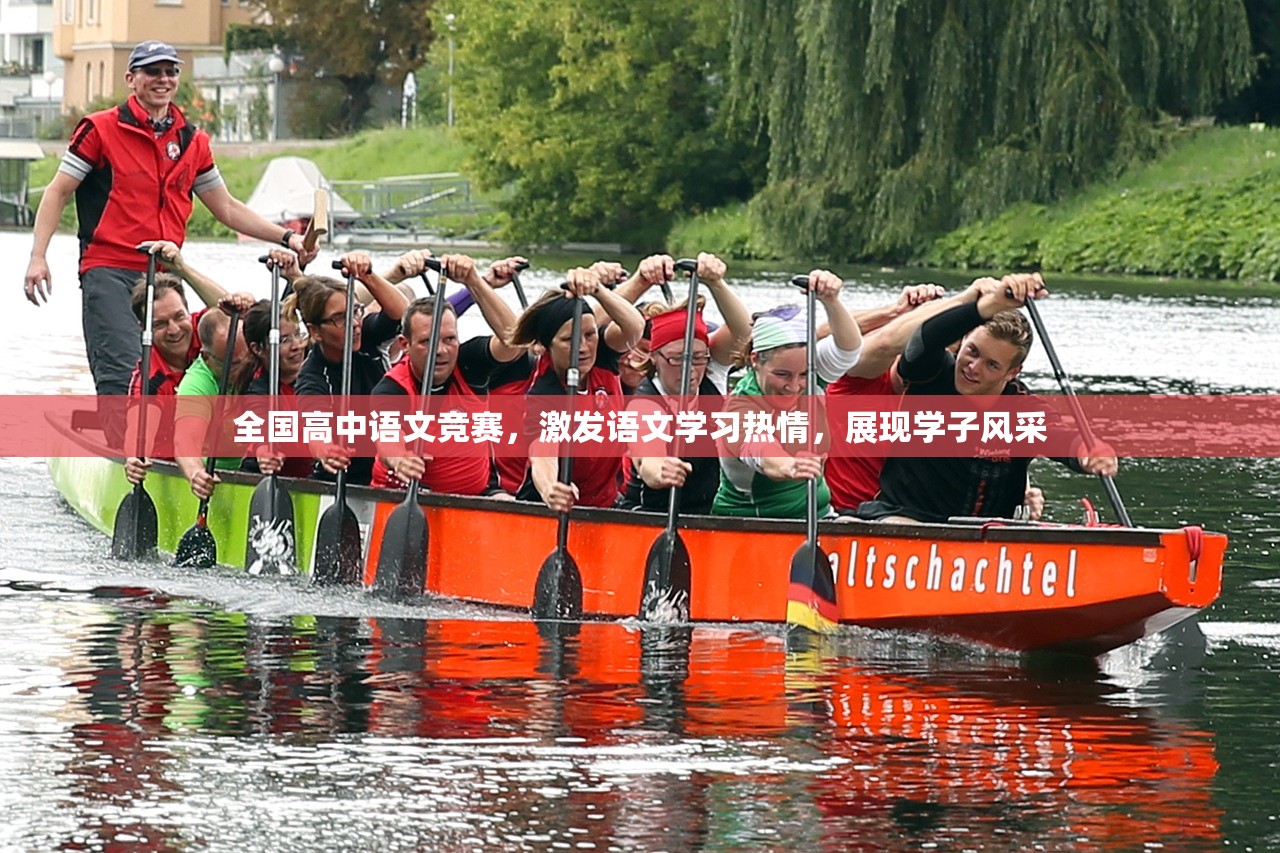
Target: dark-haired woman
(549, 322)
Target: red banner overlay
(1133, 425)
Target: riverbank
(1207, 209)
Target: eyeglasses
(339, 319)
(157, 70)
(698, 360)
(299, 337)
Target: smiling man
(134, 170)
(995, 338)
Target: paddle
(557, 593)
(665, 595)
(338, 546)
(134, 533)
(1077, 411)
(197, 549)
(402, 560)
(269, 545)
(515, 281)
(811, 595)
(319, 224)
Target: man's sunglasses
(157, 70)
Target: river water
(146, 708)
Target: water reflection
(474, 733)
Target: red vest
(450, 475)
(854, 479)
(141, 188)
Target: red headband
(669, 326)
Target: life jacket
(447, 473)
(141, 188)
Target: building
(93, 38)
(30, 75)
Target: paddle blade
(811, 596)
(134, 534)
(197, 548)
(666, 580)
(270, 546)
(339, 550)
(319, 225)
(557, 594)
(402, 560)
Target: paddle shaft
(686, 378)
(428, 373)
(571, 382)
(1082, 424)
(810, 390)
(348, 335)
(144, 366)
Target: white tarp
(287, 192)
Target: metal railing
(410, 201)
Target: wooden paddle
(665, 595)
(402, 560)
(339, 550)
(319, 224)
(557, 593)
(134, 533)
(1082, 424)
(270, 543)
(197, 549)
(811, 595)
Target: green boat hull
(94, 487)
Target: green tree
(360, 43)
(892, 120)
(605, 113)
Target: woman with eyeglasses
(322, 302)
(253, 378)
(653, 476)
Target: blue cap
(150, 52)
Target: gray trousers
(112, 340)
(112, 336)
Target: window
(91, 12)
(68, 11)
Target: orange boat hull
(1073, 589)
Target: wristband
(286, 237)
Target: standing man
(134, 170)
